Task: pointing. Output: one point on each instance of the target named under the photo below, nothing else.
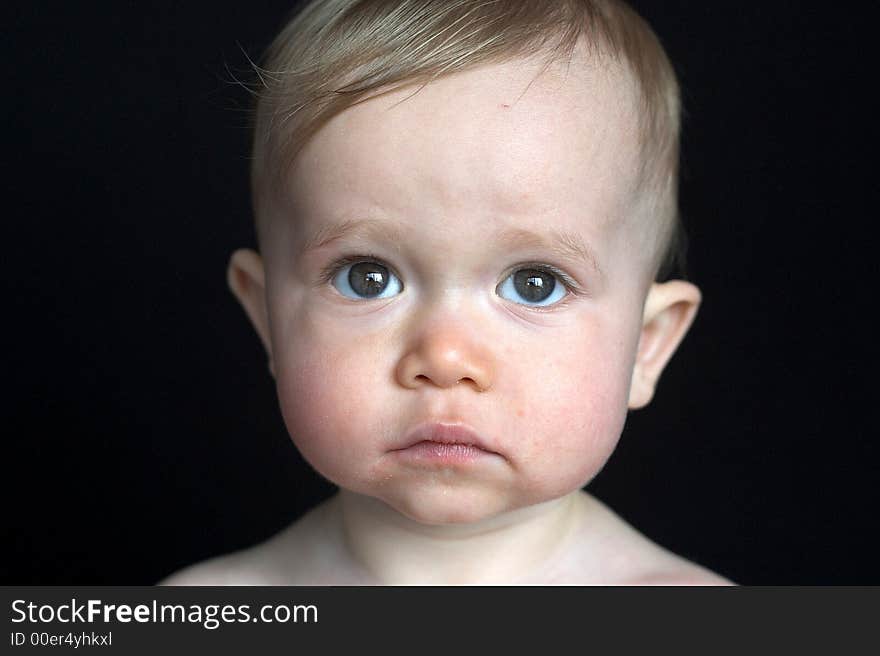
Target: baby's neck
(516, 547)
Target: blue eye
(366, 279)
(532, 287)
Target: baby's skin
(595, 547)
(456, 295)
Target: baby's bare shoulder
(262, 564)
(230, 569)
(613, 552)
(666, 568)
(304, 553)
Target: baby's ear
(669, 311)
(247, 280)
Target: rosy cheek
(589, 409)
(303, 397)
(326, 405)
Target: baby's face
(490, 274)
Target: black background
(141, 431)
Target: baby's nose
(446, 358)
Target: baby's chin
(450, 497)
(448, 505)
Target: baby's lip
(445, 433)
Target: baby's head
(462, 208)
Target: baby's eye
(533, 287)
(366, 279)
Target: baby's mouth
(445, 442)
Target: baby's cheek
(588, 412)
(321, 407)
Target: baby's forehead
(519, 135)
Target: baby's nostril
(473, 382)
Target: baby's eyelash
(328, 273)
(563, 277)
(566, 280)
(574, 289)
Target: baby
(463, 211)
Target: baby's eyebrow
(567, 245)
(369, 228)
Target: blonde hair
(334, 54)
